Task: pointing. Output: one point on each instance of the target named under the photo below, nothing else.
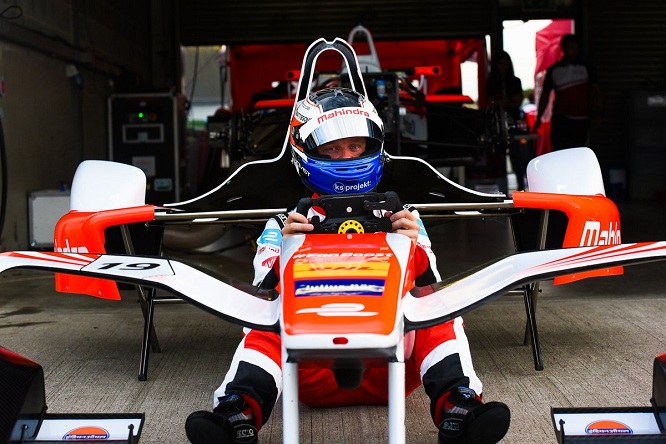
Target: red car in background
(415, 85)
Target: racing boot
(231, 422)
(465, 419)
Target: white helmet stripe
(353, 124)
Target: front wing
(235, 301)
(250, 306)
(443, 301)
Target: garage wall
(626, 41)
(53, 119)
(214, 22)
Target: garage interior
(61, 61)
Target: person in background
(578, 101)
(505, 90)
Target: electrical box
(143, 131)
(45, 208)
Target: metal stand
(147, 299)
(149, 339)
(530, 292)
(396, 391)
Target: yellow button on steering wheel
(351, 226)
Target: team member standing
(578, 99)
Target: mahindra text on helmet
(342, 112)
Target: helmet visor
(315, 134)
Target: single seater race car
(346, 290)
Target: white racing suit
(440, 358)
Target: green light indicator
(140, 115)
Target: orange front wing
(83, 232)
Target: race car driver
(336, 139)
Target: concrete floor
(599, 338)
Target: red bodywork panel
(593, 220)
(83, 232)
(340, 272)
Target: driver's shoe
(231, 422)
(466, 419)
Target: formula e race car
(350, 270)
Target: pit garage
(100, 80)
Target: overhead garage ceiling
(214, 22)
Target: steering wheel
(352, 213)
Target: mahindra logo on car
(593, 234)
(68, 249)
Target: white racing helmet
(332, 114)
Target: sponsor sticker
(302, 169)
(131, 266)
(69, 249)
(339, 287)
(341, 187)
(322, 257)
(608, 427)
(269, 262)
(268, 250)
(283, 218)
(422, 231)
(593, 234)
(339, 310)
(88, 433)
(343, 112)
(355, 269)
(271, 236)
